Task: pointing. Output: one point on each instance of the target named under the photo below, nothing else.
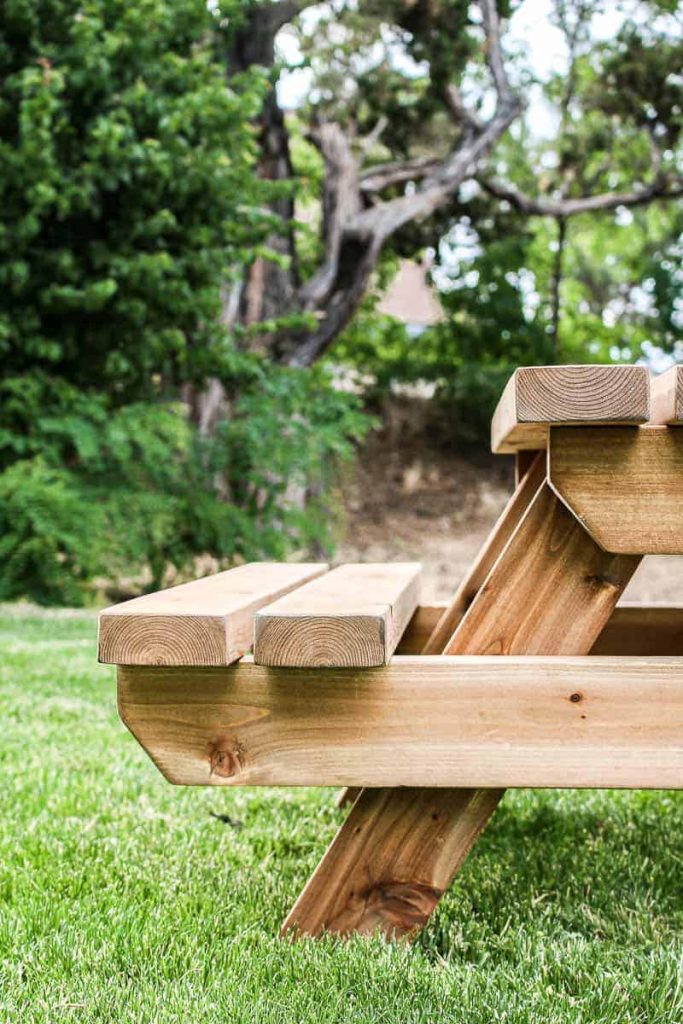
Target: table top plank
(208, 621)
(537, 397)
(355, 615)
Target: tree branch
(381, 176)
(354, 236)
(661, 188)
(341, 202)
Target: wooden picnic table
(531, 676)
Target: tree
(127, 200)
(402, 118)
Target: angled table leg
(507, 523)
(551, 591)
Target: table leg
(551, 591)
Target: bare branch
(661, 188)
(494, 53)
(372, 138)
(381, 176)
(354, 236)
(459, 111)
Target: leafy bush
(126, 189)
(128, 196)
(98, 491)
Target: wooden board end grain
(209, 621)
(353, 616)
(537, 397)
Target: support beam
(633, 629)
(440, 721)
(489, 554)
(624, 485)
(537, 397)
(391, 886)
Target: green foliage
(94, 491)
(126, 190)
(128, 197)
(519, 289)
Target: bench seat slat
(208, 621)
(353, 616)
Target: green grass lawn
(123, 899)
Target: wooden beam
(537, 397)
(624, 484)
(666, 397)
(206, 622)
(550, 592)
(399, 887)
(495, 543)
(633, 629)
(353, 616)
(420, 721)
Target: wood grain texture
(551, 591)
(537, 397)
(353, 616)
(209, 621)
(666, 397)
(439, 721)
(393, 887)
(632, 629)
(490, 552)
(624, 484)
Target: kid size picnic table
(531, 676)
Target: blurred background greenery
(221, 226)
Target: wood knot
(576, 698)
(396, 908)
(226, 762)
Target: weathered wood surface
(353, 616)
(495, 543)
(209, 621)
(666, 397)
(438, 721)
(392, 888)
(625, 485)
(551, 591)
(540, 396)
(633, 629)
